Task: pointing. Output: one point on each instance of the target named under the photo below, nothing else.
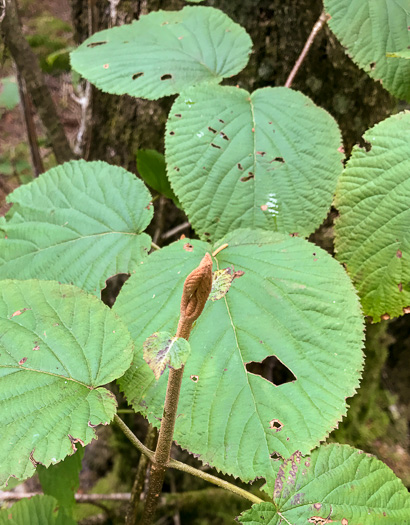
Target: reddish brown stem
(324, 17)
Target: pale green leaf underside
(78, 223)
(39, 510)
(162, 350)
(268, 160)
(339, 480)
(164, 52)
(58, 345)
(369, 30)
(372, 232)
(293, 301)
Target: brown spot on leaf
(91, 425)
(95, 44)
(212, 130)
(167, 76)
(137, 75)
(317, 506)
(385, 317)
(247, 177)
(19, 312)
(224, 135)
(240, 166)
(176, 168)
(264, 207)
(294, 234)
(188, 247)
(178, 115)
(275, 456)
(400, 286)
(172, 133)
(253, 130)
(74, 441)
(406, 310)
(22, 361)
(194, 378)
(222, 121)
(106, 66)
(344, 521)
(33, 461)
(399, 254)
(276, 425)
(36, 347)
(261, 153)
(279, 159)
(215, 146)
(239, 273)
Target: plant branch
(27, 111)
(29, 69)
(197, 288)
(324, 17)
(173, 463)
(139, 482)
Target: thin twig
(174, 231)
(27, 111)
(140, 478)
(323, 18)
(155, 246)
(80, 498)
(133, 438)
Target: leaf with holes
(371, 29)
(58, 345)
(152, 169)
(164, 52)
(337, 484)
(268, 160)
(78, 223)
(292, 301)
(39, 510)
(161, 350)
(372, 232)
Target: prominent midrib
(69, 378)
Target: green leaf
(9, 93)
(152, 169)
(268, 160)
(39, 510)
(372, 233)
(164, 52)
(292, 301)
(62, 480)
(337, 483)
(162, 350)
(400, 54)
(78, 223)
(58, 345)
(371, 29)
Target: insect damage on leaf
(221, 282)
(162, 350)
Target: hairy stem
(197, 288)
(323, 18)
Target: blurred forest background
(112, 128)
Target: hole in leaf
(113, 288)
(215, 146)
(167, 76)
(178, 115)
(272, 370)
(364, 144)
(275, 456)
(137, 75)
(172, 132)
(279, 159)
(224, 136)
(194, 379)
(188, 247)
(247, 177)
(222, 121)
(95, 44)
(212, 129)
(240, 166)
(372, 65)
